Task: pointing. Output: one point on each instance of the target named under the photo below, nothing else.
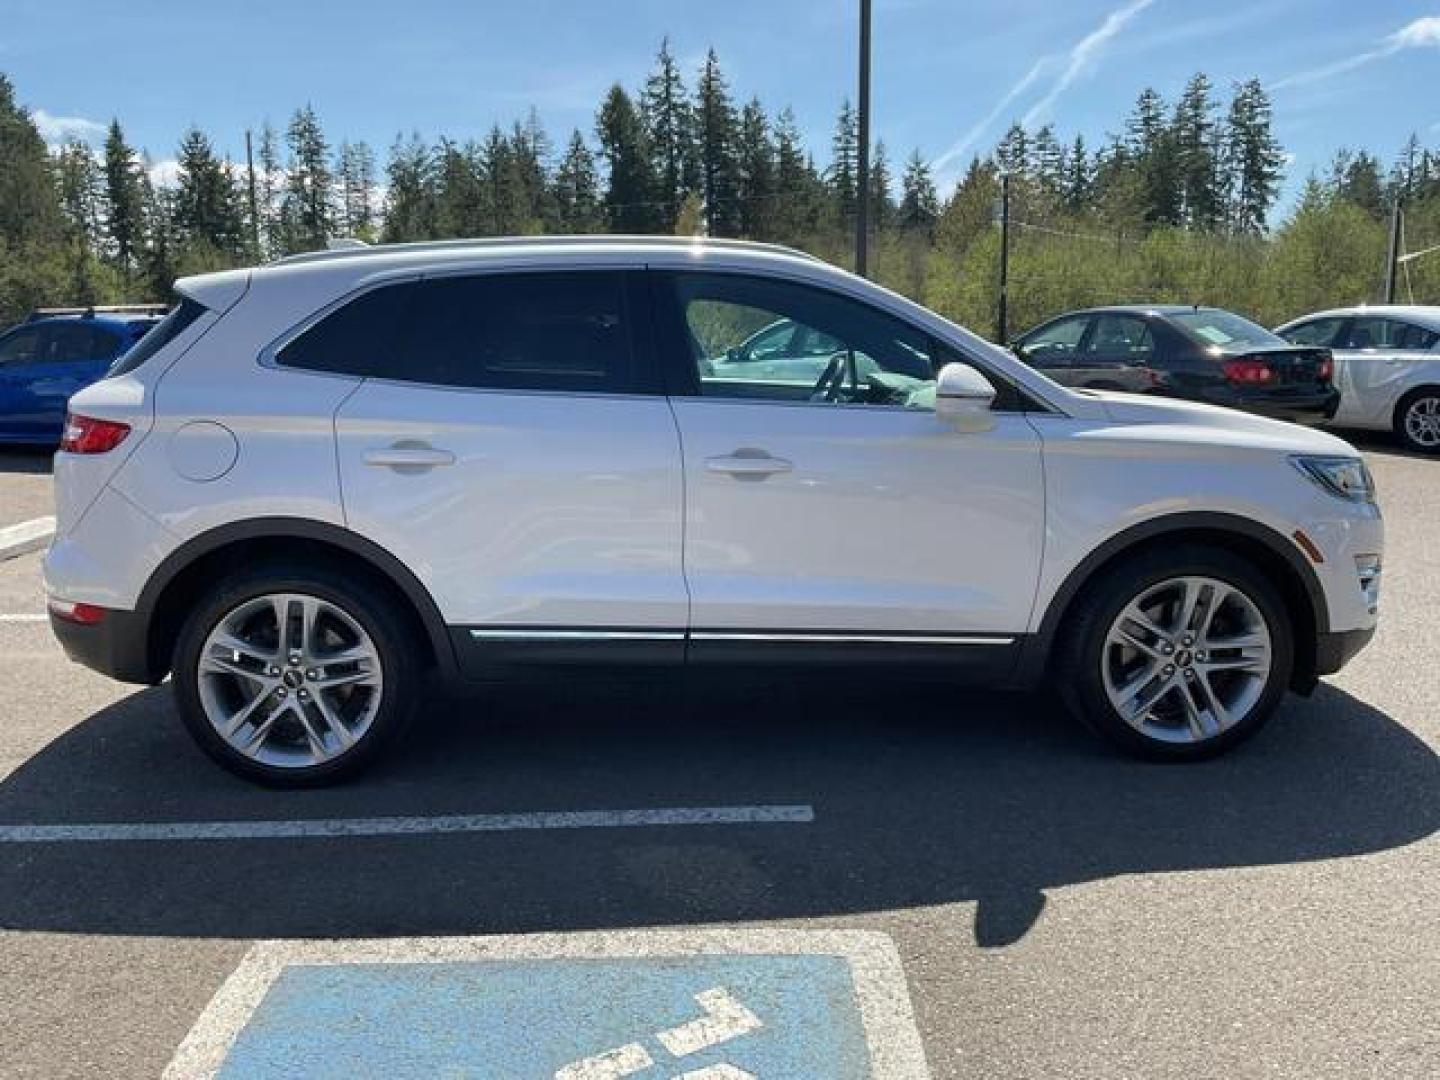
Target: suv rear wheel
(292, 676)
(1178, 654)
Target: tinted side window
(1315, 332)
(164, 332)
(69, 342)
(21, 347)
(1124, 337)
(1370, 332)
(358, 338)
(549, 331)
(1054, 345)
(1417, 337)
(545, 331)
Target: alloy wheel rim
(290, 680)
(1422, 421)
(1187, 659)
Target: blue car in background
(53, 354)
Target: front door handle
(748, 463)
(409, 455)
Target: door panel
(838, 506)
(880, 520)
(521, 510)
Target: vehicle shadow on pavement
(923, 796)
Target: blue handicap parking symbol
(698, 1017)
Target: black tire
(1081, 650)
(400, 662)
(1402, 409)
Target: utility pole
(1393, 260)
(254, 205)
(1002, 314)
(862, 206)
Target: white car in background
(1387, 367)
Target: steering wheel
(832, 379)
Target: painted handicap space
(684, 1005)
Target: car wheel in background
(1177, 654)
(1417, 420)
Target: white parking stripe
(407, 826)
(28, 536)
(28, 617)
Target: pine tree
(1254, 159)
(463, 202)
(206, 205)
(82, 192)
(1150, 151)
(845, 165)
(576, 189)
(307, 206)
(29, 209)
(919, 202)
(1194, 137)
(268, 179)
(757, 168)
(630, 204)
(1078, 179)
(123, 198)
(410, 210)
(717, 132)
(882, 204)
(1012, 154)
(355, 180)
(799, 192)
(1047, 158)
(670, 128)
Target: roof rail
(345, 249)
(91, 310)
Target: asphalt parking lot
(1056, 911)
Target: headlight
(1344, 477)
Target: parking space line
(24, 617)
(323, 828)
(876, 978)
(25, 537)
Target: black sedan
(1196, 353)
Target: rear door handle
(409, 456)
(748, 463)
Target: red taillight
(86, 435)
(1327, 369)
(1248, 370)
(84, 614)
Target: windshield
(156, 338)
(1225, 329)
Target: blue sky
(949, 75)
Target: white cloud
(164, 173)
(1082, 57)
(971, 137)
(1077, 64)
(1422, 33)
(59, 129)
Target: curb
(28, 536)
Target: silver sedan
(1387, 367)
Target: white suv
(320, 478)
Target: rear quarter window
(164, 332)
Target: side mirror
(963, 398)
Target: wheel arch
(1284, 563)
(179, 579)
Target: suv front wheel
(1178, 654)
(292, 676)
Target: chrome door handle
(748, 463)
(409, 456)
